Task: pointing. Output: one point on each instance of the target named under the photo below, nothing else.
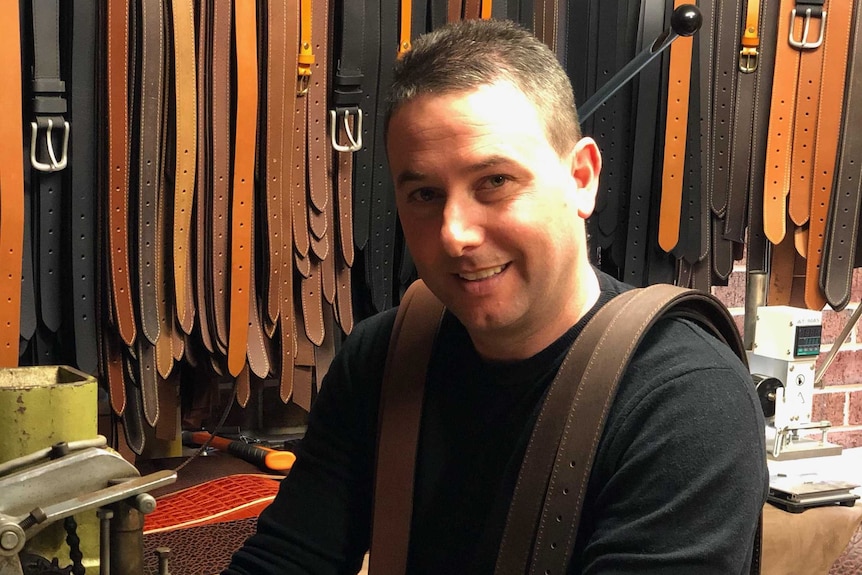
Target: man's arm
(319, 522)
(680, 477)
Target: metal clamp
(55, 165)
(354, 136)
(803, 43)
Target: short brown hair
(465, 55)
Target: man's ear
(586, 167)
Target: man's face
(493, 216)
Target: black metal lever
(684, 21)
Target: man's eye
(424, 195)
(497, 180)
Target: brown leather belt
(185, 159)
(149, 110)
(287, 319)
(118, 174)
(242, 191)
(11, 185)
(675, 138)
(835, 49)
(841, 248)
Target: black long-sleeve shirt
(677, 486)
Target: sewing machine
(782, 362)
(56, 483)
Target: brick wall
(840, 400)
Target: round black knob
(686, 19)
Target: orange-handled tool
(264, 457)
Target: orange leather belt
(845, 209)
(835, 57)
(776, 186)
(804, 129)
(11, 185)
(242, 191)
(679, 82)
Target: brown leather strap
(401, 395)
(472, 9)
(622, 328)
(242, 201)
(776, 184)
(222, 25)
(150, 83)
(453, 13)
(185, 102)
(11, 185)
(287, 317)
(203, 181)
(835, 56)
(118, 173)
(804, 129)
(679, 82)
(276, 77)
(836, 272)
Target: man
(493, 184)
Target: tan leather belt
(11, 185)
(679, 81)
(185, 160)
(804, 129)
(779, 145)
(835, 48)
(242, 192)
(845, 210)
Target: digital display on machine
(807, 341)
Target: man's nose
(462, 227)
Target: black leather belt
(49, 138)
(83, 185)
(841, 249)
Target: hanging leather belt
(675, 137)
(11, 184)
(287, 319)
(185, 135)
(748, 60)
(835, 48)
(49, 138)
(222, 18)
(203, 182)
(782, 118)
(82, 163)
(118, 174)
(758, 247)
(811, 61)
(273, 168)
(242, 191)
(841, 247)
(148, 106)
(648, 89)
